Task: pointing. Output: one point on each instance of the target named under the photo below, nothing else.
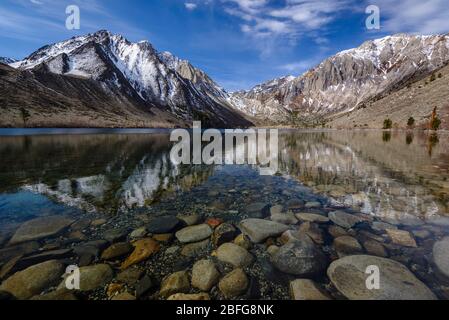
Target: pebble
(402, 284)
(441, 256)
(243, 241)
(402, 238)
(39, 228)
(234, 255)
(194, 233)
(177, 282)
(306, 290)
(312, 217)
(117, 250)
(259, 230)
(33, 280)
(347, 245)
(190, 297)
(234, 284)
(204, 275)
(344, 220)
(225, 232)
(300, 257)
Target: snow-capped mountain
(5, 60)
(348, 79)
(158, 79)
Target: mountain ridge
(138, 69)
(346, 80)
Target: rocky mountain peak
(348, 79)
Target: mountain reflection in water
(394, 175)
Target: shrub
(411, 122)
(435, 123)
(388, 124)
(433, 77)
(440, 75)
(25, 115)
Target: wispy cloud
(32, 20)
(415, 16)
(190, 6)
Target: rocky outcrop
(347, 80)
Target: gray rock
(295, 204)
(94, 277)
(306, 290)
(175, 283)
(313, 231)
(336, 231)
(225, 232)
(347, 245)
(143, 286)
(204, 275)
(300, 257)
(115, 235)
(375, 248)
(257, 210)
(163, 225)
(57, 295)
(33, 280)
(312, 204)
(42, 257)
(259, 230)
(441, 256)
(138, 233)
(234, 255)
(194, 233)
(234, 284)
(284, 218)
(276, 210)
(190, 220)
(382, 226)
(349, 276)
(402, 238)
(312, 217)
(130, 276)
(194, 249)
(117, 250)
(344, 219)
(39, 228)
(439, 221)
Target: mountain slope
(345, 81)
(416, 100)
(6, 60)
(44, 99)
(140, 73)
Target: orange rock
(214, 222)
(114, 288)
(143, 250)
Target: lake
(111, 183)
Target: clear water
(396, 177)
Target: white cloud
(415, 16)
(261, 18)
(299, 67)
(190, 6)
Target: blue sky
(239, 43)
